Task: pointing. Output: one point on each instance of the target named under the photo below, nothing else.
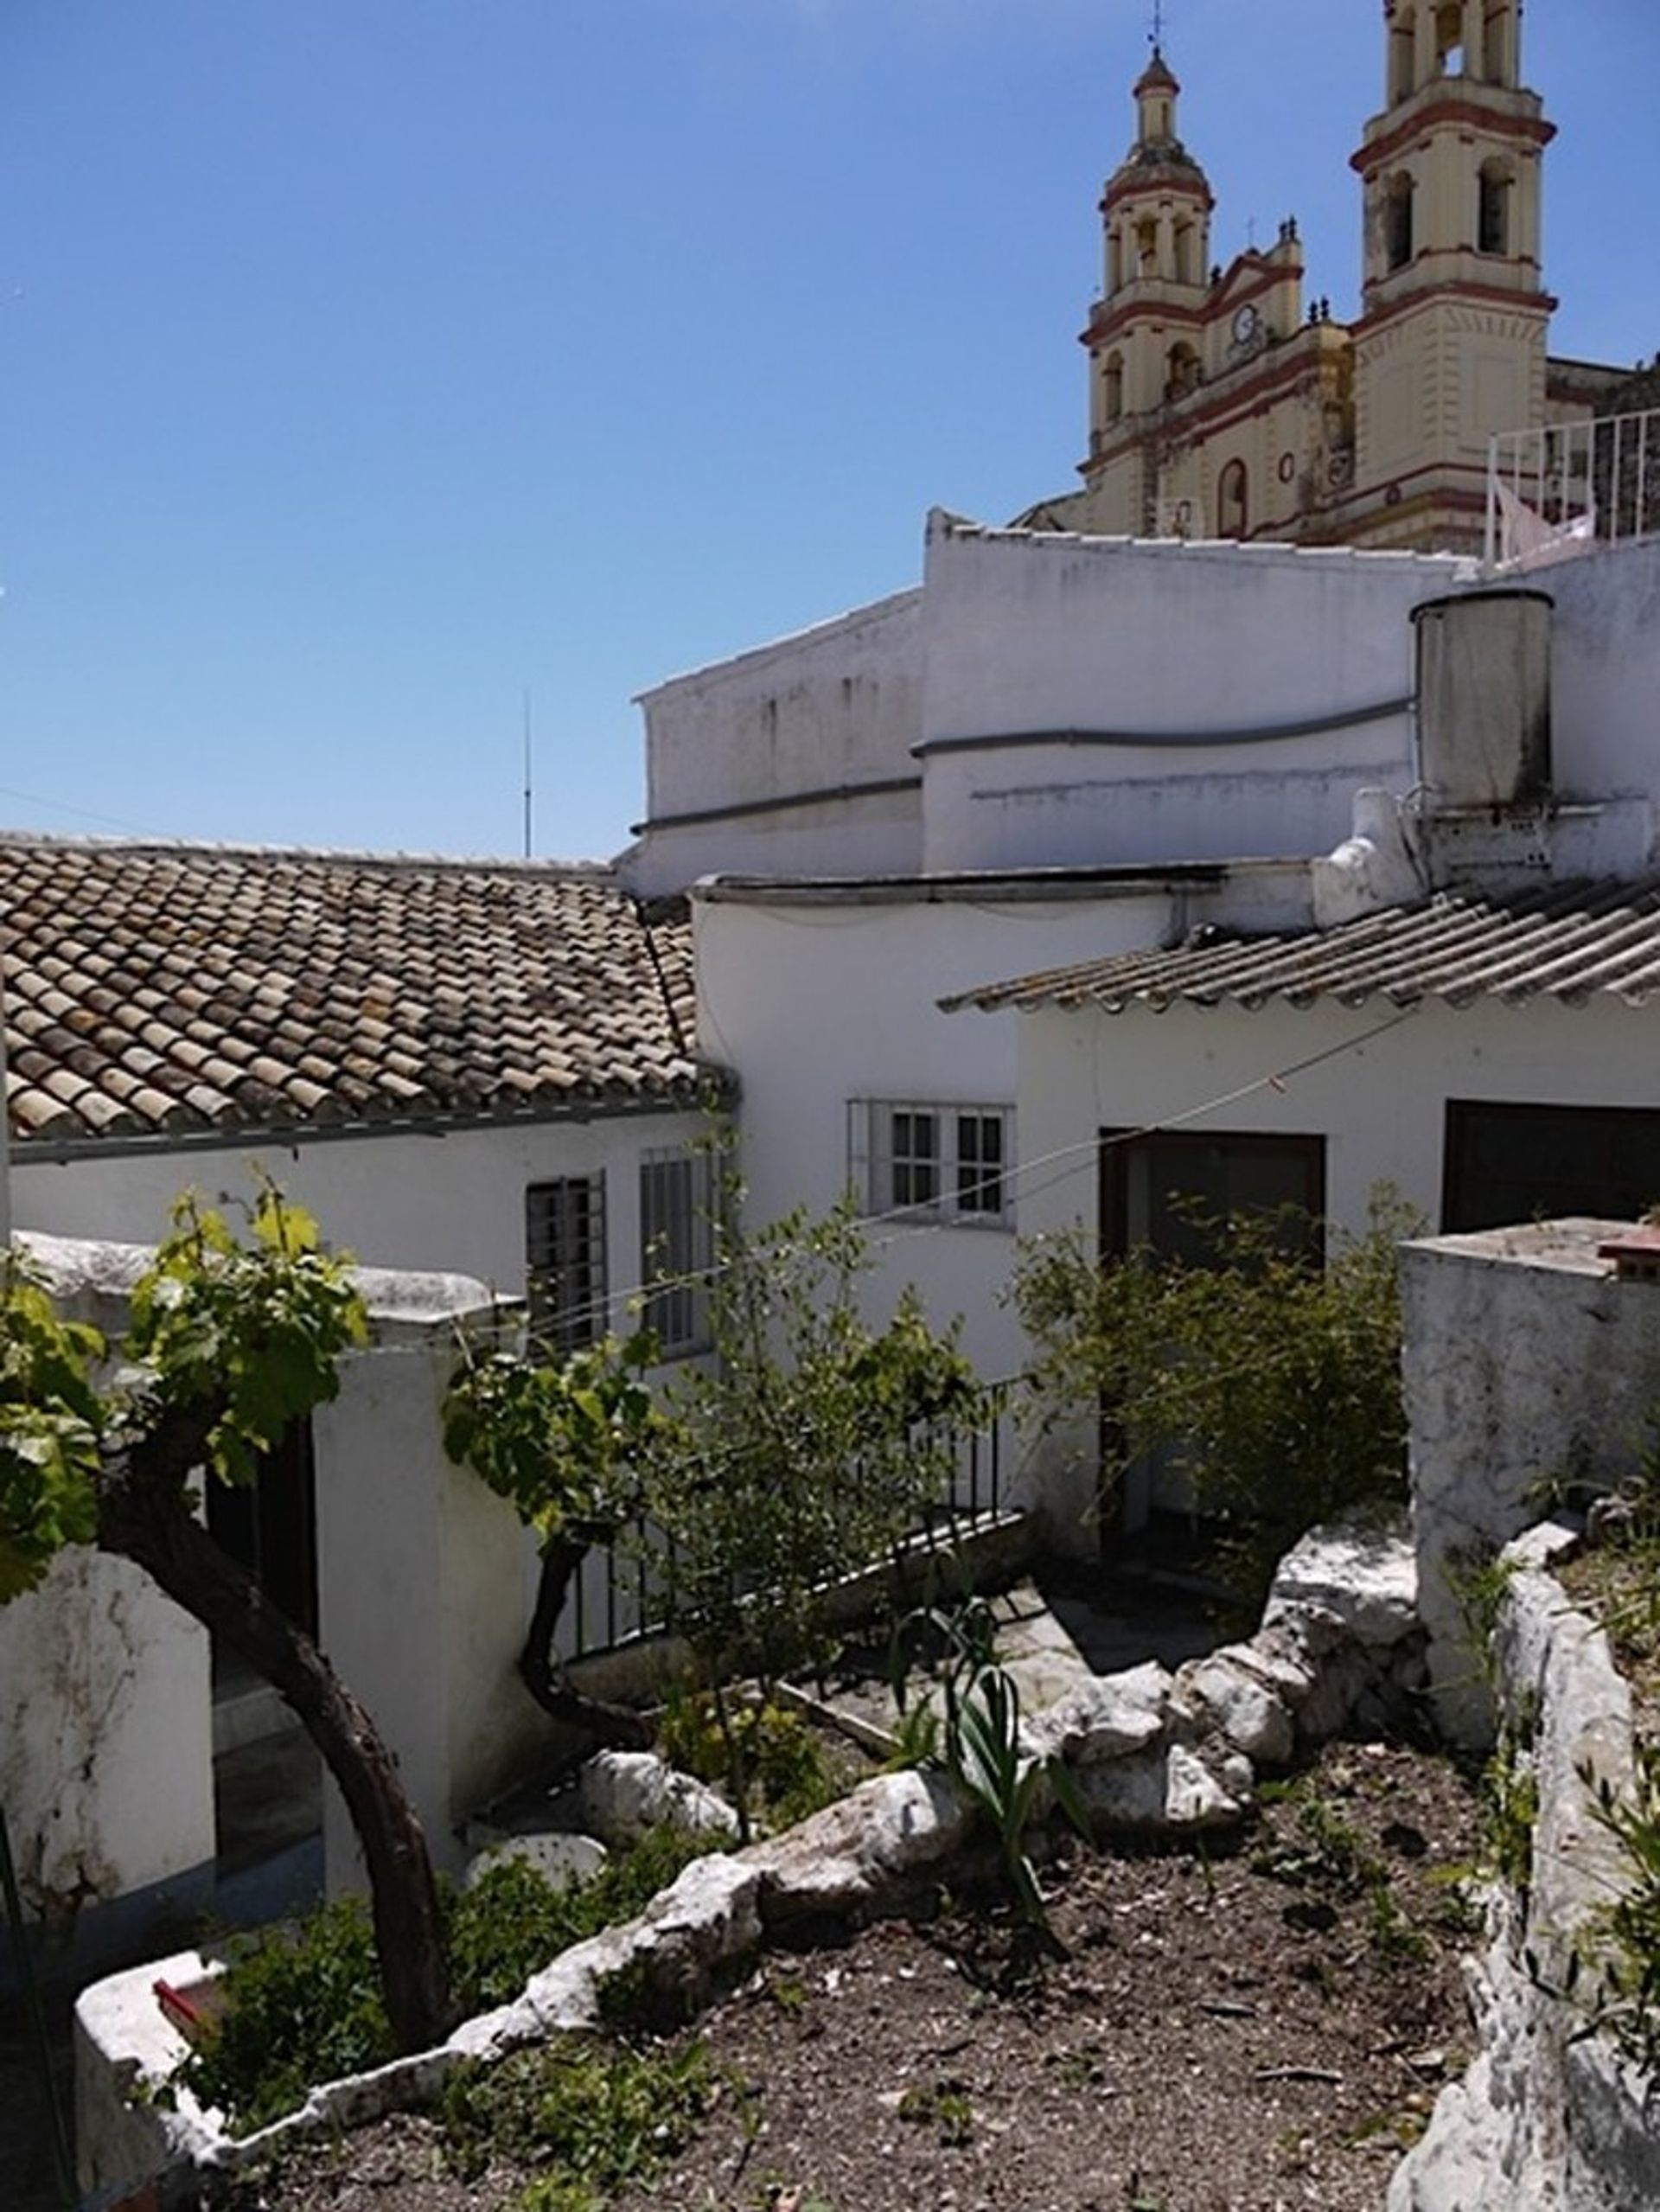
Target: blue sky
(368, 363)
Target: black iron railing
(625, 1590)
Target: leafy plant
(981, 1746)
(1276, 1381)
(783, 1758)
(804, 1450)
(302, 2005)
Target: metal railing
(1554, 489)
(625, 1591)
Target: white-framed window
(565, 1260)
(933, 1162)
(676, 1247)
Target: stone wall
(1528, 1371)
(1547, 2116)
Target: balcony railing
(625, 1591)
(1554, 491)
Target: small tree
(808, 1448)
(1277, 1380)
(228, 1344)
(804, 1447)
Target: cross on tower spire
(1156, 36)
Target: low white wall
(106, 1738)
(1526, 1367)
(1547, 2115)
(425, 1587)
(425, 1578)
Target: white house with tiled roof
(478, 1076)
(483, 1067)
(1134, 763)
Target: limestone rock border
(1151, 1751)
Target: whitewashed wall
(1182, 651)
(1380, 1104)
(839, 705)
(1606, 670)
(454, 1201)
(424, 1577)
(819, 1004)
(424, 1587)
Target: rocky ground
(1255, 2028)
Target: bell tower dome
(1451, 344)
(1145, 331)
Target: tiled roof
(156, 990)
(1569, 944)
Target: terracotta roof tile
(1571, 942)
(159, 988)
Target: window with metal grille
(676, 1246)
(941, 1163)
(565, 1260)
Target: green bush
(302, 2002)
(303, 2006)
(1275, 1381)
(773, 1748)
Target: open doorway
(267, 1781)
(1163, 1191)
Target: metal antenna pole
(32, 2005)
(527, 786)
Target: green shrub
(1275, 1381)
(772, 1747)
(302, 2005)
(302, 2002)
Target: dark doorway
(1164, 1193)
(270, 1526)
(1504, 1165)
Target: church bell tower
(1449, 345)
(1146, 335)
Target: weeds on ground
(1324, 1851)
(586, 2119)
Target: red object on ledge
(1635, 1253)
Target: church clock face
(1245, 325)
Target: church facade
(1221, 405)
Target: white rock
(557, 1855)
(1167, 1789)
(1367, 1578)
(1279, 1656)
(862, 1849)
(1107, 1716)
(626, 1792)
(1195, 1797)
(707, 1917)
(1253, 1716)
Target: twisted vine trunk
(615, 1726)
(144, 1515)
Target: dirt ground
(1262, 2026)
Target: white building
(1135, 768)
